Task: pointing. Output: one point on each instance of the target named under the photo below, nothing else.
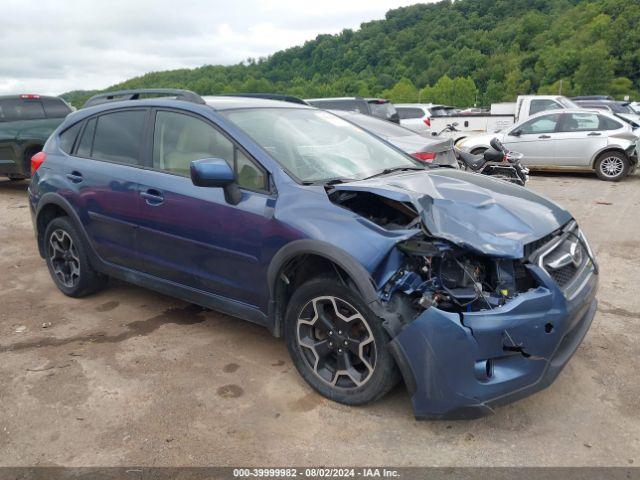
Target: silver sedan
(430, 149)
(570, 140)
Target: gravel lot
(131, 377)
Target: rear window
(84, 147)
(68, 137)
(607, 123)
(384, 110)
(349, 105)
(118, 137)
(55, 108)
(379, 127)
(114, 137)
(15, 109)
(409, 112)
(443, 111)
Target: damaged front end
(471, 329)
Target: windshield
(566, 103)
(317, 146)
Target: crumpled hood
(490, 216)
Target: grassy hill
(463, 52)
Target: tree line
(463, 53)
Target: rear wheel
(67, 260)
(338, 344)
(612, 166)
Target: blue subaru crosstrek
(373, 266)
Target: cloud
(53, 46)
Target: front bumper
(464, 365)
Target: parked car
(619, 109)
(437, 151)
(366, 261)
(571, 140)
(502, 115)
(375, 107)
(417, 116)
(26, 121)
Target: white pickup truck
(502, 116)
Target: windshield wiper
(332, 181)
(387, 171)
(335, 181)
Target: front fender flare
(360, 276)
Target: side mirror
(454, 124)
(516, 133)
(216, 173)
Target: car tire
(612, 166)
(355, 374)
(66, 257)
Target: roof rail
(121, 95)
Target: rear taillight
(424, 156)
(427, 122)
(30, 96)
(36, 161)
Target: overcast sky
(53, 46)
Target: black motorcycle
(496, 161)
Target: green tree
(559, 87)
(402, 92)
(459, 91)
(465, 92)
(595, 72)
(621, 87)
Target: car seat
(196, 141)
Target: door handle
(153, 197)
(75, 176)
(544, 136)
(594, 134)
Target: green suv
(26, 121)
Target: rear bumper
(464, 366)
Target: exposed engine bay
(385, 212)
(436, 272)
(441, 275)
